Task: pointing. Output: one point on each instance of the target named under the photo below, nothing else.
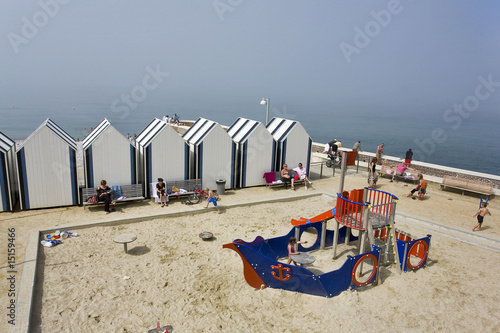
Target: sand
(89, 284)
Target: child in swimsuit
(481, 213)
(291, 248)
(212, 198)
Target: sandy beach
(89, 284)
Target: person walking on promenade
(481, 213)
(408, 157)
(176, 119)
(329, 147)
(357, 146)
(380, 151)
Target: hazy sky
(403, 55)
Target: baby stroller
(335, 160)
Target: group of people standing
(171, 120)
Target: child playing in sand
(480, 215)
(212, 198)
(421, 188)
(291, 248)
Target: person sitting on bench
(286, 177)
(161, 191)
(302, 172)
(104, 194)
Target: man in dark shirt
(409, 157)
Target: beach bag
(296, 177)
(92, 199)
(117, 191)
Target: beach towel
(270, 177)
(154, 192)
(50, 243)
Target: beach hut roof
(196, 133)
(150, 132)
(54, 128)
(242, 128)
(280, 128)
(6, 143)
(92, 136)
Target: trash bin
(221, 186)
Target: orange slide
(321, 217)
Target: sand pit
(89, 284)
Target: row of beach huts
(41, 172)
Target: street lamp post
(266, 101)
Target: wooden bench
(277, 177)
(130, 192)
(467, 185)
(409, 173)
(190, 185)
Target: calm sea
(471, 145)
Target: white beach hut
(47, 168)
(108, 155)
(161, 153)
(255, 151)
(211, 153)
(8, 175)
(293, 143)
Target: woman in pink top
(380, 151)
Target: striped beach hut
(108, 155)
(161, 153)
(255, 151)
(211, 153)
(8, 175)
(293, 143)
(46, 163)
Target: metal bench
(277, 175)
(130, 192)
(467, 185)
(190, 185)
